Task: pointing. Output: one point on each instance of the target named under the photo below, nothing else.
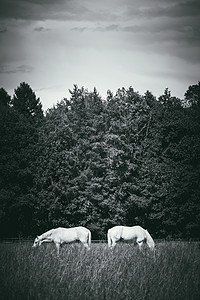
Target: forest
(129, 159)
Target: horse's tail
(149, 240)
(109, 239)
(89, 238)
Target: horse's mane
(46, 234)
(149, 237)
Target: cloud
(112, 27)
(87, 10)
(48, 87)
(157, 8)
(6, 69)
(164, 28)
(90, 10)
(183, 9)
(80, 29)
(33, 9)
(42, 9)
(153, 31)
(3, 30)
(41, 29)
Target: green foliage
(20, 121)
(129, 159)
(192, 95)
(5, 99)
(25, 102)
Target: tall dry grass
(124, 273)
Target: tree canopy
(128, 159)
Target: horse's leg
(85, 244)
(114, 242)
(109, 239)
(58, 248)
(140, 243)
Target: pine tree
(25, 102)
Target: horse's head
(150, 241)
(37, 242)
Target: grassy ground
(124, 273)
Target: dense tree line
(127, 159)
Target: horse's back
(62, 234)
(130, 233)
(71, 234)
(126, 232)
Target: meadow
(173, 273)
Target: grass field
(124, 273)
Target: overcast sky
(146, 44)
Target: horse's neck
(46, 235)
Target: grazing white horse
(136, 233)
(62, 235)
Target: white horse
(62, 235)
(136, 233)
